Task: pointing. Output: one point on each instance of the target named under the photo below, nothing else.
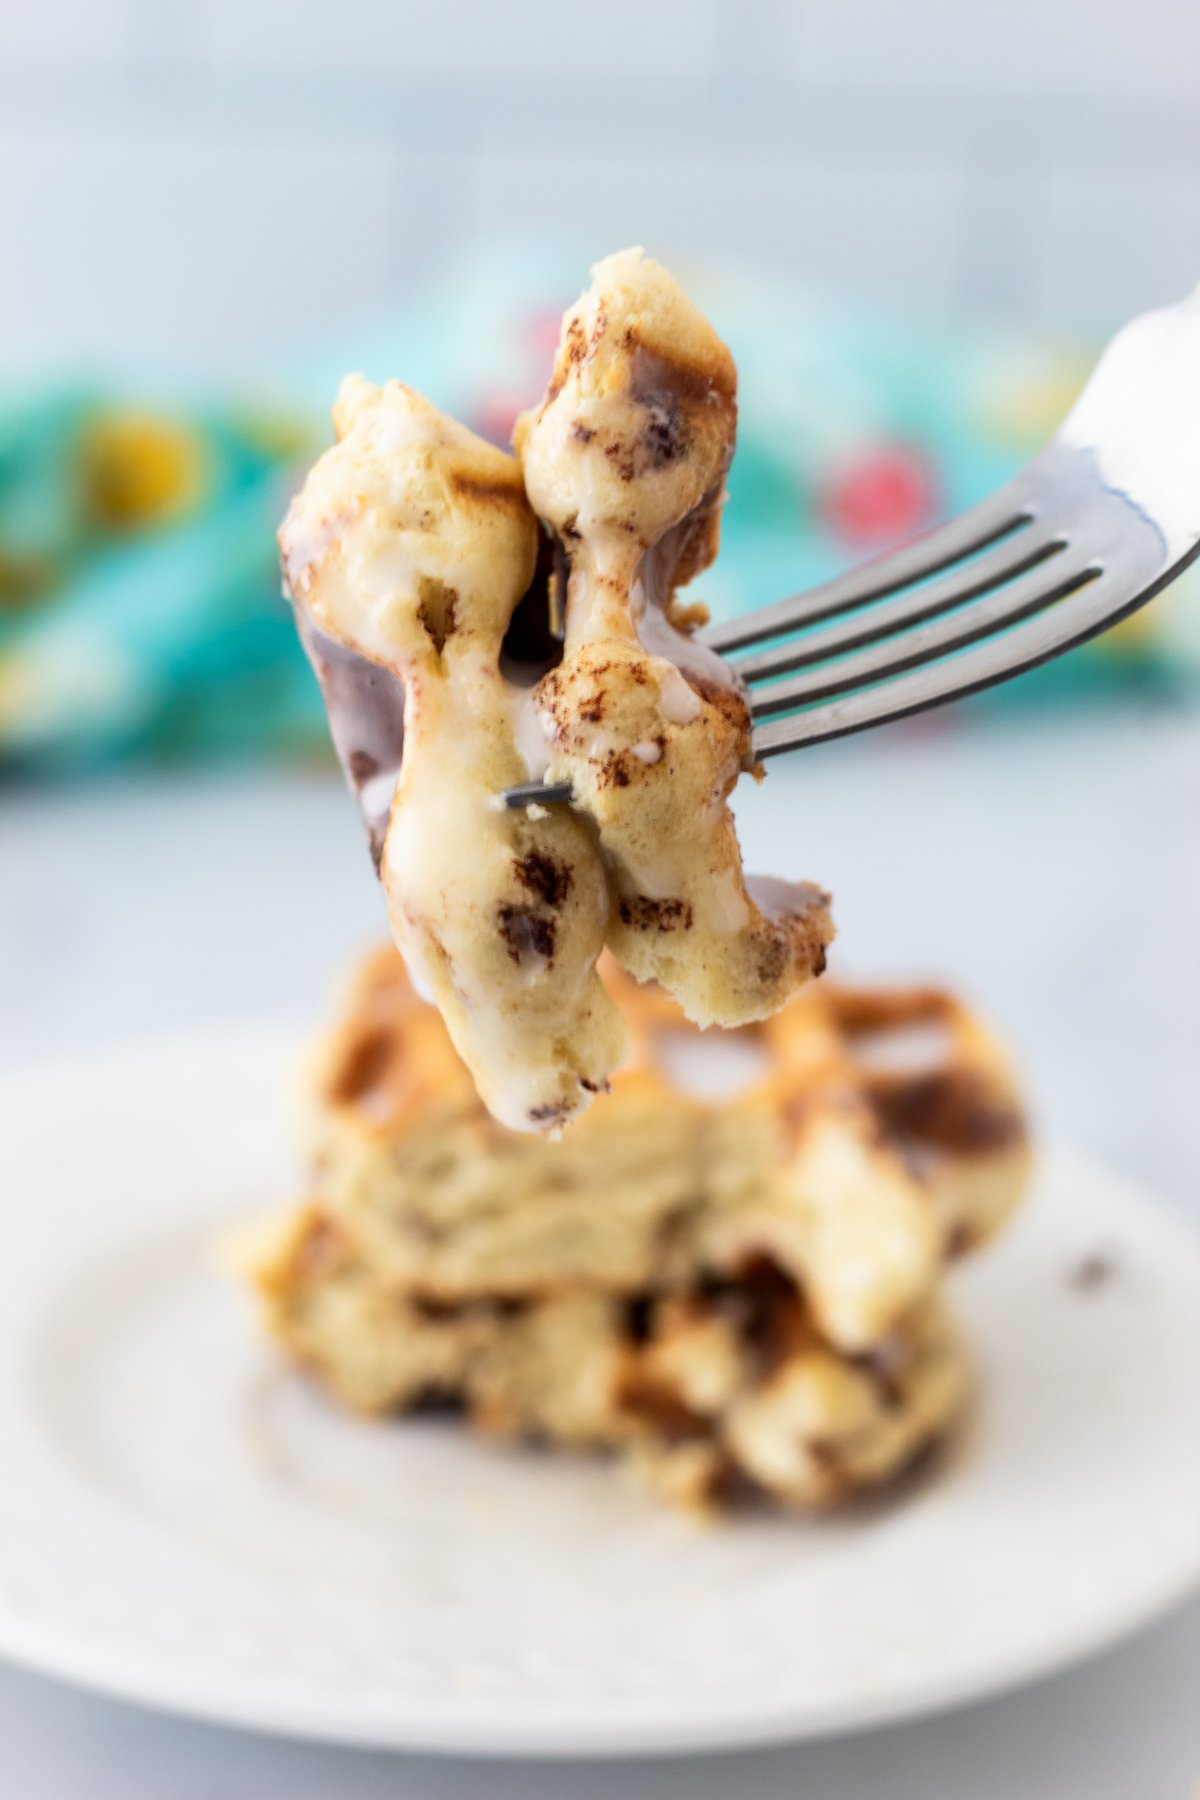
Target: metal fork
(1094, 526)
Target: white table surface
(1053, 873)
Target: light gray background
(210, 183)
(208, 186)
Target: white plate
(183, 1523)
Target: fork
(1091, 528)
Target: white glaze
(529, 733)
(680, 703)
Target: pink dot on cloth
(879, 495)
(496, 414)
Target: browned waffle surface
(737, 1289)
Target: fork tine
(1008, 558)
(1094, 600)
(1048, 581)
(1080, 615)
(993, 519)
(537, 793)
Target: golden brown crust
(626, 460)
(411, 546)
(681, 1386)
(738, 1294)
(658, 1183)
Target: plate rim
(428, 1725)
(566, 1740)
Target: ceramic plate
(184, 1523)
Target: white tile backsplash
(1115, 246)
(872, 233)
(1064, 48)
(543, 39)
(202, 180)
(154, 248)
(103, 31)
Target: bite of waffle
(410, 553)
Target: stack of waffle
(730, 1270)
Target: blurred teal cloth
(140, 604)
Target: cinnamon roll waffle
(410, 554)
(737, 1293)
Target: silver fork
(1094, 526)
